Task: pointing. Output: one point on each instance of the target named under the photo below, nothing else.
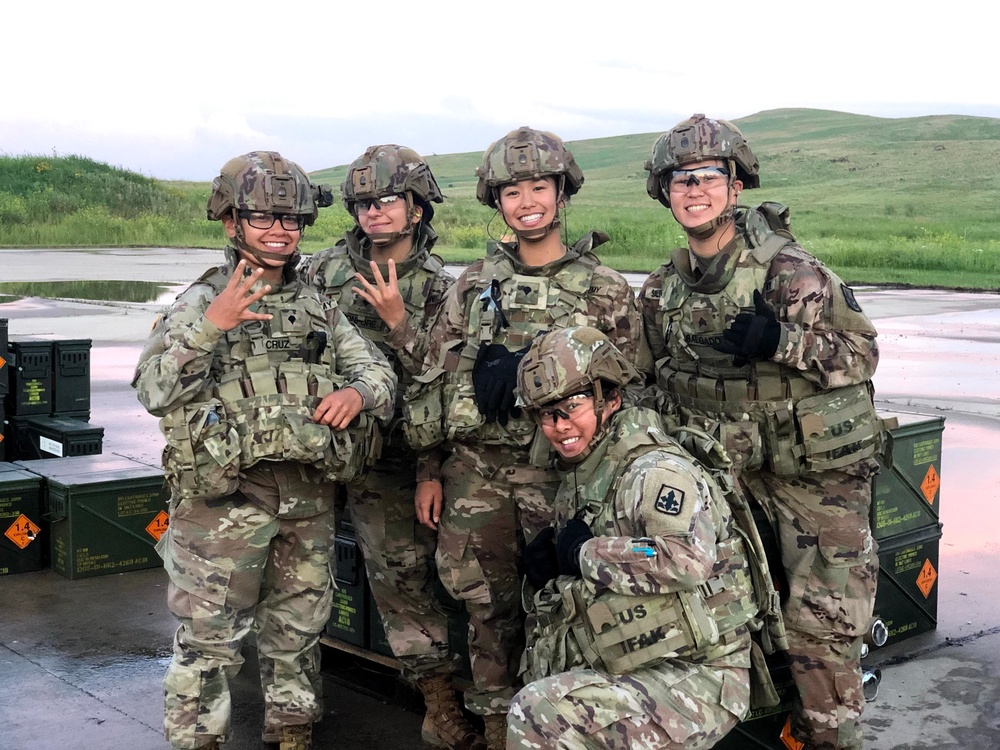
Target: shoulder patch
(670, 500)
(849, 297)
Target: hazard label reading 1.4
(931, 484)
(22, 532)
(926, 578)
(158, 526)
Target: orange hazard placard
(2, 361)
(926, 578)
(931, 483)
(158, 525)
(786, 736)
(22, 532)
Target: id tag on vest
(529, 293)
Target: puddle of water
(100, 291)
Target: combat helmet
(698, 139)
(526, 154)
(265, 181)
(568, 361)
(391, 170)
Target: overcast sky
(174, 89)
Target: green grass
(887, 201)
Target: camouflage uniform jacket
(423, 283)
(189, 366)
(500, 300)
(824, 362)
(662, 530)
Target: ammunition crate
(54, 468)
(54, 437)
(3, 434)
(71, 378)
(906, 497)
(29, 368)
(906, 598)
(101, 520)
(349, 618)
(377, 640)
(21, 524)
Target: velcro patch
(670, 500)
(849, 298)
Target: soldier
(496, 487)
(383, 277)
(759, 342)
(642, 535)
(265, 394)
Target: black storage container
(3, 357)
(906, 497)
(71, 378)
(21, 542)
(349, 618)
(53, 437)
(29, 368)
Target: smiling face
(571, 424)
(275, 239)
(384, 216)
(529, 205)
(696, 204)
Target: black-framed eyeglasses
(380, 203)
(264, 220)
(706, 177)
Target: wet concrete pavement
(80, 661)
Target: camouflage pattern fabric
(660, 526)
(399, 554)
(485, 523)
(234, 567)
(258, 555)
(398, 551)
(494, 498)
(827, 343)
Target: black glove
(539, 561)
(494, 377)
(568, 545)
(752, 337)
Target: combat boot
(444, 723)
(496, 731)
(296, 737)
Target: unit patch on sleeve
(849, 297)
(670, 500)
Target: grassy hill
(913, 200)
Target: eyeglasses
(381, 203)
(262, 220)
(707, 177)
(565, 409)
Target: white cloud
(176, 89)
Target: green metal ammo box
(58, 437)
(906, 497)
(4, 356)
(349, 618)
(906, 598)
(102, 520)
(20, 520)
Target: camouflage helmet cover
(265, 181)
(700, 139)
(389, 170)
(567, 361)
(526, 154)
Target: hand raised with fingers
(384, 295)
(232, 306)
(427, 502)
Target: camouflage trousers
(398, 554)
(234, 567)
(671, 705)
(485, 523)
(830, 561)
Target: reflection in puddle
(101, 291)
